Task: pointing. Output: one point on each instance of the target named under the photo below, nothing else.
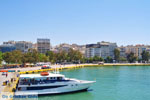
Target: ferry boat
(50, 83)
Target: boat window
(55, 78)
(51, 78)
(59, 78)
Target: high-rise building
(23, 46)
(43, 45)
(101, 49)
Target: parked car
(101, 63)
(45, 67)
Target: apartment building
(43, 45)
(23, 46)
(102, 49)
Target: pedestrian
(6, 82)
(11, 80)
(6, 74)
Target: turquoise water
(112, 83)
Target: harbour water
(112, 83)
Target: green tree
(13, 57)
(109, 60)
(74, 55)
(51, 56)
(32, 56)
(90, 60)
(17, 56)
(123, 59)
(7, 56)
(61, 56)
(1, 57)
(97, 58)
(101, 59)
(131, 58)
(43, 58)
(117, 54)
(145, 56)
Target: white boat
(50, 83)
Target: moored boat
(49, 83)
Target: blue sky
(76, 21)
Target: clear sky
(76, 21)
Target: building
(34, 46)
(66, 47)
(23, 46)
(122, 51)
(7, 48)
(102, 49)
(137, 50)
(9, 42)
(43, 45)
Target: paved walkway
(3, 88)
(4, 78)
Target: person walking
(6, 74)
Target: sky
(76, 21)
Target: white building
(23, 46)
(101, 49)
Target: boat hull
(71, 88)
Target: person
(11, 80)
(6, 74)
(6, 82)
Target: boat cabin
(28, 79)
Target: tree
(51, 56)
(43, 58)
(123, 59)
(96, 58)
(131, 58)
(109, 60)
(7, 56)
(117, 54)
(74, 55)
(145, 56)
(1, 57)
(16, 56)
(32, 56)
(13, 57)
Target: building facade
(137, 50)
(7, 48)
(101, 49)
(66, 47)
(23, 46)
(43, 45)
